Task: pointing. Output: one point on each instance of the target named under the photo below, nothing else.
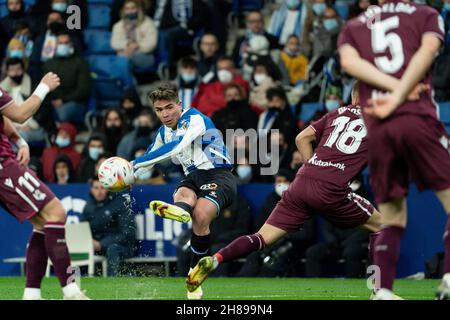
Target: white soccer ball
(116, 174)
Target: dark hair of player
(164, 91)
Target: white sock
(446, 278)
(32, 294)
(71, 290)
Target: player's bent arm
(419, 64)
(304, 142)
(21, 113)
(353, 64)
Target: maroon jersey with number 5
(341, 152)
(388, 36)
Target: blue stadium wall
(422, 239)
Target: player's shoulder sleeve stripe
(312, 127)
(6, 105)
(436, 34)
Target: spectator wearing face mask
(187, 81)
(244, 171)
(278, 114)
(314, 11)
(23, 33)
(135, 35)
(143, 134)
(237, 113)
(64, 143)
(210, 97)
(288, 20)
(8, 24)
(16, 49)
(209, 53)
(333, 98)
(152, 176)
(114, 128)
(18, 84)
(263, 78)
(131, 105)
(44, 47)
(91, 153)
(293, 63)
(63, 172)
(70, 99)
(325, 32)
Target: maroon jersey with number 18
(341, 152)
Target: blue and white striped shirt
(196, 144)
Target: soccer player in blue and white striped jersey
(191, 138)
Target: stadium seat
(98, 42)
(79, 242)
(99, 16)
(342, 9)
(444, 114)
(3, 9)
(111, 75)
(246, 5)
(309, 109)
(444, 109)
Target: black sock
(184, 206)
(199, 248)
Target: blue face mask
(244, 172)
(447, 6)
(62, 142)
(94, 153)
(188, 77)
(331, 104)
(16, 54)
(64, 50)
(292, 4)
(330, 24)
(60, 7)
(319, 8)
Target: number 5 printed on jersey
(382, 39)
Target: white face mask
(281, 187)
(260, 78)
(224, 76)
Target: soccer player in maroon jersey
(390, 48)
(25, 197)
(321, 186)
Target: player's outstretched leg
(170, 211)
(240, 247)
(56, 247)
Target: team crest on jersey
(213, 194)
(209, 186)
(183, 125)
(9, 183)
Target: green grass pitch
(223, 288)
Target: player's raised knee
(54, 211)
